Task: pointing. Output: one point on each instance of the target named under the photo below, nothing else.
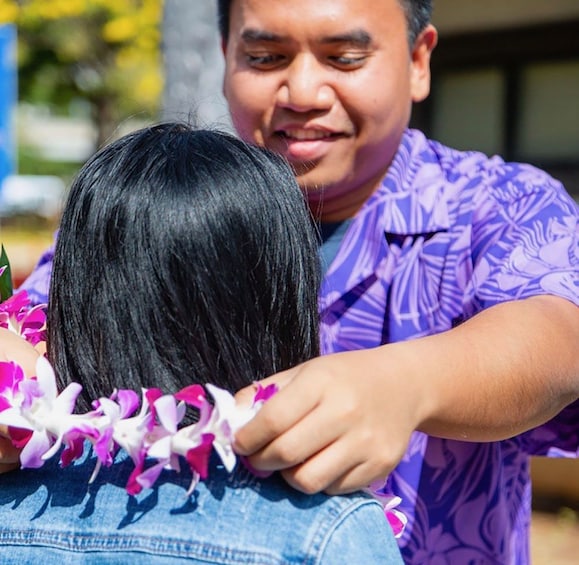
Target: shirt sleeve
(559, 437)
(361, 535)
(525, 238)
(525, 243)
(38, 282)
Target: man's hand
(338, 423)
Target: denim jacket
(53, 516)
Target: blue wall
(8, 97)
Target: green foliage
(106, 52)
(5, 277)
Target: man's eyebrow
(358, 37)
(252, 35)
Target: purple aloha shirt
(447, 235)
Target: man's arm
(344, 420)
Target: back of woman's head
(183, 256)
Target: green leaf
(5, 278)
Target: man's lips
(306, 144)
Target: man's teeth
(306, 135)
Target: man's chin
(310, 180)
(302, 169)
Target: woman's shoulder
(229, 518)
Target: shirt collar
(412, 194)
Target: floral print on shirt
(447, 235)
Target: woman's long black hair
(183, 256)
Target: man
(465, 267)
(449, 306)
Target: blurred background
(77, 73)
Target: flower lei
(41, 421)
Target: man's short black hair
(418, 15)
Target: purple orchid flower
(16, 315)
(189, 442)
(169, 415)
(397, 519)
(11, 375)
(263, 394)
(36, 406)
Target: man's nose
(305, 88)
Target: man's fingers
(335, 470)
(308, 436)
(280, 413)
(244, 397)
(321, 470)
(359, 477)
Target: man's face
(328, 84)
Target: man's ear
(223, 46)
(420, 72)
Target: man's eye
(348, 61)
(263, 60)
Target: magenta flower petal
(263, 394)
(19, 437)
(133, 486)
(198, 457)
(8, 372)
(397, 521)
(11, 375)
(33, 325)
(151, 395)
(193, 395)
(104, 446)
(35, 318)
(73, 451)
(17, 316)
(128, 400)
(16, 303)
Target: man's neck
(338, 203)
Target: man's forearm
(508, 369)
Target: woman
(184, 256)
